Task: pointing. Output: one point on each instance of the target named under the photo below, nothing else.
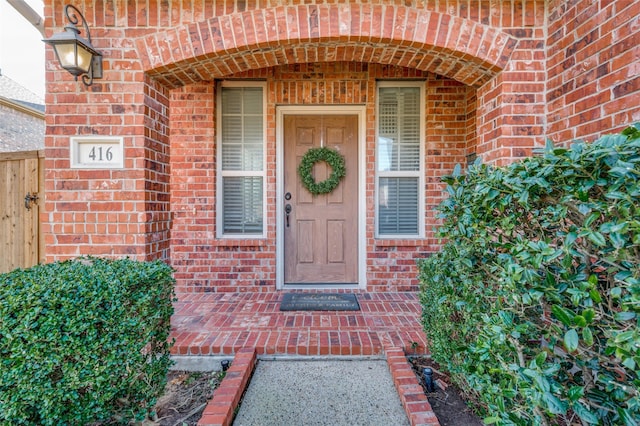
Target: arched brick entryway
(184, 60)
(443, 44)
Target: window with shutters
(241, 157)
(399, 160)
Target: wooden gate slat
(5, 261)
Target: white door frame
(360, 111)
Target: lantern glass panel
(84, 58)
(73, 57)
(66, 54)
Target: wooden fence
(21, 194)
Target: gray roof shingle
(11, 90)
(21, 118)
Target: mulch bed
(185, 397)
(447, 402)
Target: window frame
(420, 173)
(220, 173)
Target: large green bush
(83, 341)
(532, 304)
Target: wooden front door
(320, 232)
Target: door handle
(287, 212)
(30, 199)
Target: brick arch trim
(454, 47)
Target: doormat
(319, 302)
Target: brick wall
(511, 107)
(204, 263)
(98, 212)
(593, 68)
(501, 78)
(157, 216)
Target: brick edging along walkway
(411, 394)
(221, 408)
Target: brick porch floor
(247, 325)
(224, 323)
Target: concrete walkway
(321, 393)
(380, 391)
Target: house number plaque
(100, 152)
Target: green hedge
(83, 341)
(532, 304)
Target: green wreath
(330, 156)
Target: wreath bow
(330, 156)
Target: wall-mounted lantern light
(75, 53)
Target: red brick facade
(499, 77)
(593, 66)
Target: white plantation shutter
(398, 212)
(241, 161)
(399, 164)
(242, 129)
(242, 205)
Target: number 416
(97, 154)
